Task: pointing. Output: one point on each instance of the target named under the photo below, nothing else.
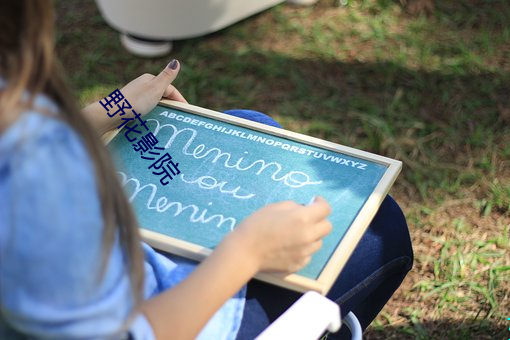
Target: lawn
(432, 91)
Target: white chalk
(311, 201)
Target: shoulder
(34, 133)
(47, 177)
(44, 164)
(49, 182)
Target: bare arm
(143, 93)
(181, 312)
(280, 237)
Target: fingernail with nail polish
(173, 64)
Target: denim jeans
(372, 274)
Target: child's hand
(143, 94)
(281, 237)
(147, 90)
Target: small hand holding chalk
(282, 236)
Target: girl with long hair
(72, 264)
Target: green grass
(430, 91)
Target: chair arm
(308, 318)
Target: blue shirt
(51, 238)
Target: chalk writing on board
(265, 140)
(163, 204)
(293, 179)
(229, 171)
(209, 183)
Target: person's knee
(391, 211)
(391, 226)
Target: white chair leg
(145, 48)
(352, 322)
(302, 2)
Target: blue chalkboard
(229, 171)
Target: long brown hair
(28, 63)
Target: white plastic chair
(148, 27)
(308, 318)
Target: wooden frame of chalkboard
(337, 260)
